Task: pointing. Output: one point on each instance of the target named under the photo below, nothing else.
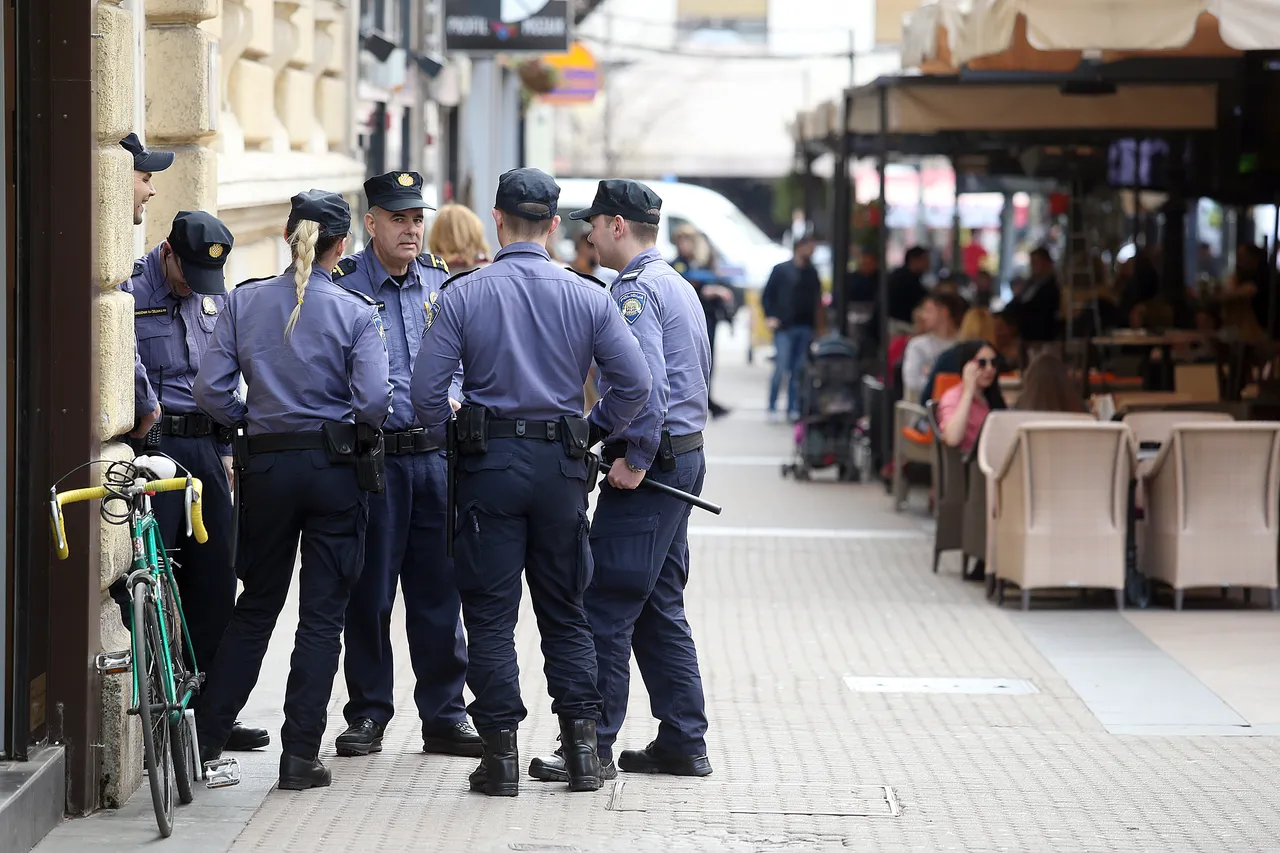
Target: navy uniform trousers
(206, 579)
(287, 494)
(406, 542)
(523, 504)
(640, 545)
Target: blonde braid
(303, 240)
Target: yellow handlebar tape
(176, 484)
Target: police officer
(526, 330)
(316, 366)
(639, 539)
(145, 165)
(178, 292)
(406, 537)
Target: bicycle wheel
(179, 731)
(148, 667)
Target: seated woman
(978, 325)
(963, 408)
(1046, 387)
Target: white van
(745, 255)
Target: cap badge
(207, 305)
(215, 251)
(405, 180)
(632, 306)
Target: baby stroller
(826, 433)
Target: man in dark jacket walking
(790, 302)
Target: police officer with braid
(315, 361)
(639, 538)
(526, 331)
(178, 293)
(406, 537)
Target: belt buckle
(520, 425)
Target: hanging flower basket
(537, 76)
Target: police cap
(528, 193)
(631, 200)
(202, 243)
(396, 191)
(144, 160)
(327, 209)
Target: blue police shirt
(333, 368)
(404, 309)
(666, 316)
(172, 334)
(526, 330)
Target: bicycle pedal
(222, 773)
(115, 663)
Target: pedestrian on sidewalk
(405, 542)
(639, 538)
(790, 301)
(179, 291)
(693, 261)
(316, 374)
(526, 330)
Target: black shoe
(361, 738)
(460, 739)
(499, 773)
(245, 739)
(649, 760)
(578, 747)
(551, 768)
(299, 774)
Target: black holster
(471, 432)
(371, 459)
(666, 459)
(575, 436)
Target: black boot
(299, 774)
(499, 772)
(550, 768)
(578, 746)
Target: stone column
(329, 63)
(114, 107)
(295, 86)
(182, 108)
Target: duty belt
(536, 430)
(193, 425)
(277, 442)
(408, 442)
(680, 444)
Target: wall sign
(507, 26)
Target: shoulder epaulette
(252, 280)
(631, 276)
(366, 297)
(588, 276)
(451, 279)
(346, 266)
(138, 267)
(434, 261)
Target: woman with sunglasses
(963, 408)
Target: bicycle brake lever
(56, 514)
(188, 497)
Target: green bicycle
(163, 683)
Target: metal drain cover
(991, 686)
(735, 798)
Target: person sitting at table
(978, 325)
(1046, 387)
(964, 407)
(943, 313)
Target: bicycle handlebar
(57, 501)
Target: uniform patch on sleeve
(631, 305)
(377, 324)
(432, 308)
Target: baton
(671, 491)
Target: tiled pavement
(837, 586)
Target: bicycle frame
(150, 557)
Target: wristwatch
(634, 469)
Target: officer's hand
(226, 466)
(146, 423)
(622, 477)
(454, 404)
